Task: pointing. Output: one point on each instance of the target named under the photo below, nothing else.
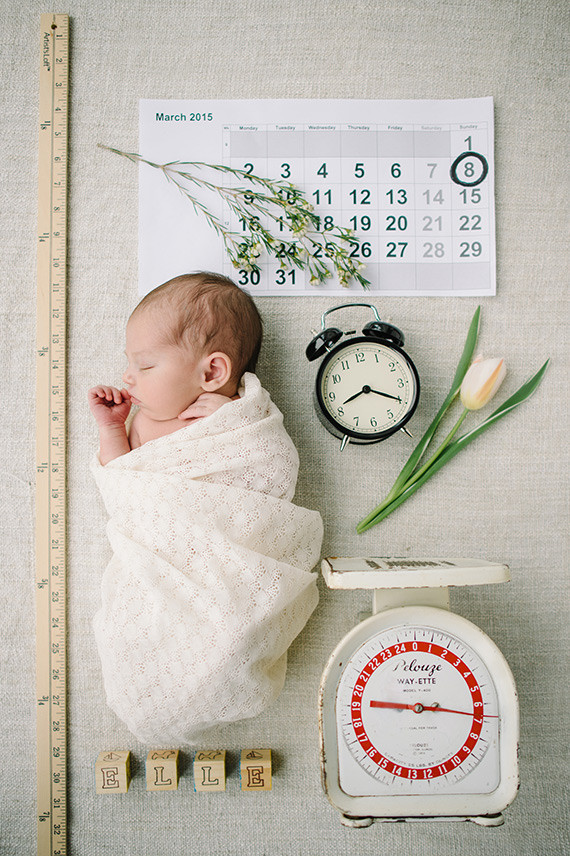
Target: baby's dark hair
(210, 312)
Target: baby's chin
(157, 416)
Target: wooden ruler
(51, 438)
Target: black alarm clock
(367, 387)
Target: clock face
(417, 711)
(366, 390)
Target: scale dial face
(366, 390)
(417, 710)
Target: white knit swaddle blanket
(210, 579)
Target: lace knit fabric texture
(210, 579)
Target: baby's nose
(127, 379)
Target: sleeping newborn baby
(210, 579)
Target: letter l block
(162, 770)
(210, 770)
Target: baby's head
(197, 316)
(208, 312)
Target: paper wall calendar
(413, 179)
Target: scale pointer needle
(419, 708)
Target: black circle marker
(459, 159)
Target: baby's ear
(216, 371)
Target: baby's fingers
(108, 395)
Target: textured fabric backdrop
(504, 499)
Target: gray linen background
(504, 499)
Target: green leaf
(460, 372)
(413, 461)
(517, 398)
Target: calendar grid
(413, 179)
(424, 230)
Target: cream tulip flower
(481, 382)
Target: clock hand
(366, 389)
(356, 394)
(419, 708)
(386, 395)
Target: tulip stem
(401, 487)
(419, 473)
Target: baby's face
(162, 379)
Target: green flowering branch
(282, 205)
(476, 382)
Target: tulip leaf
(517, 398)
(464, 363)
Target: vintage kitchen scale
(418, 707)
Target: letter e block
(162, 770)
(255, 769)
(113, 772)
(210, 770)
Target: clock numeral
(336, 378)
(345, 365)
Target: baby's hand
(204, 405)
(110, 406)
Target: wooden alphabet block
(113, 772)
(255, 769)
(210, 770)
(162, 770)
